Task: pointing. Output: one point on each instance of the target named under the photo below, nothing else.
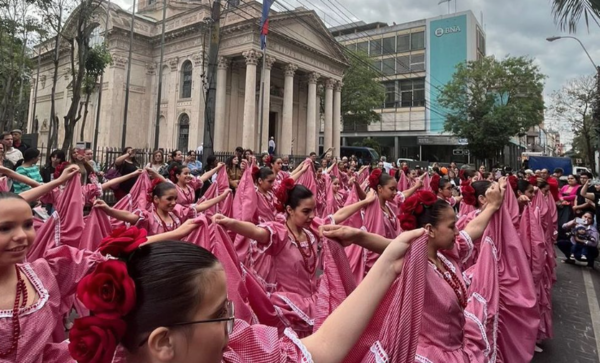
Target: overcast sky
(513, 27)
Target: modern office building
(415, 60)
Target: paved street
(576, 317)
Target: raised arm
(210, 202)
(245, 229)
(116, 181)
(19, 177)
(338, 334)
(585, 194)
(418, 184)
(359, 191)
(494, 196)
(34, 194)
(121, 215)
(121, 159)
(204, 177)
(178, 234)
(348, 235)
(155, 175)
(299, 172)
(346, 212)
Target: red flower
(533, 180)
(122, 241)
(435, 183)
(468, 194)
(108, 292)
(288, 183)
(408, 222)
(374, 178)
(427, 198)
(409, 205)
(93, 339)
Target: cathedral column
(220, 97)
(328, 134)
(249, 126)
(264, 143)
(311, 114)
(285, 144)
(173, 95)
(337, 119)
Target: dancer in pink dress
(165, 215)
(443, 188)
(379, 218)
(294, 246)
(177, 310)
(186, 183)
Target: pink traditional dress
(54, 279)
(333, 201)
(378, 220)
(217, 188)
(403, 183)
(186, 196)
(294, 265)
(279, 176)
(154, 224)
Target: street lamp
(597, 108)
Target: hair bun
(468, 193)
(435, 183)
(282, 193)
(415, 206)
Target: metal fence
(106, 156)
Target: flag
(264, 22)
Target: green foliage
(361, 93)
(96, 60)
(490, 101)
(568, 13)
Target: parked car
(365, 155)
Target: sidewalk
(576, 316)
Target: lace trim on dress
(301, 314)
(37, 286)
(480, 324)
(56, 228)
(469, 241)
(379, 353)
(306, 356)
(494, 249)
(421, 359)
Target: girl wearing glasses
(181, 313)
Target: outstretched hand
(344, 235)
(395, 252)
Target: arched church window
(186, 80)
(184, 132)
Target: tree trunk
(85, 113)
(53, 131)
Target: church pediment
(307, 28)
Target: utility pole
(124, 134)
(160, 76)
(211, 93)
(97, 123)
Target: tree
(97, 59)
(568, 13)
(362, 93)
(572, 110)
(489, 101)
(369, 142)
(77, 33)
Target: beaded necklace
(164, 224)
(305, 255)
(16, 327)
(186, 192)
(454, 283)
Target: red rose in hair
(59, 169)
(409, 206)
(255, 171)
(435, 183)
(155, 182)
(533, 180)
(282, 192)
(514, 182)
(406, 170)
(93, 339)
(408, 222)
(123, 241)
(374, 178)
(468, 194)
(108, 292)
(427, 198)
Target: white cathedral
(304, 71)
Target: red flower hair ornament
(435, 182)
(150, 190)
(533, 180)
(60, 168)
(109, 293)
(468, 193)
(414, 207)
(374, 178)
(255, 170)
(282, 193)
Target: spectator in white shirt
(272, 146)
(11, 153)
(387, 166)
(200, 150)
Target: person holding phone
(126, 164)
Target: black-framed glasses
(230, 319)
